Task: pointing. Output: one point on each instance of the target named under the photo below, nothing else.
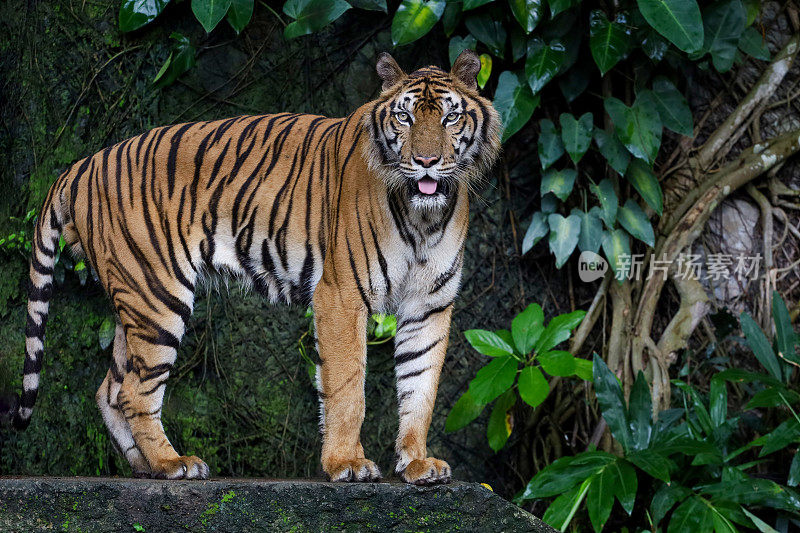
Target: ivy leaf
(514, 101)
(488, 343)
(638, 126)
(533, 387)
(527, 12)
(577, 134)
(106, 333)
(543, 63)
(672, 107)
(753, 44)
(641, 176)
(614, 151)
(133, 14)
(609, 41)
(633, 219)
(724, 24)
(591, 229)
(493, 379)
(537, 229)
(210, 12)
(489, 31)
(617, 247)
(451, 17)
(559, 182)
(313, 15)
(459, 44)
(564, 233)
(677, 20)
(557, 363)
(465, 410)
(485, 71)
(415, 18)
(550, 146)
(559, 6)
(527, 327)
(609, 203)
(574, 82)
(500, 421)
(239, 14)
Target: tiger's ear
(388, 70)
(466, 68)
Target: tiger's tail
(40, 290)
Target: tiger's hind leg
(106, 397)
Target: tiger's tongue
(427, 185)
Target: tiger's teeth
(427, 185)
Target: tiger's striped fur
(355, 215)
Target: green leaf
(574, 82)
(561, 511)
(180, 60)
(488, 343)
(527, 327)
(564, 473)
(794, 471)
(614, 151)
(485, 71)
(494, 379)
(459, 44)
(786, 433)
(413, 19)
(313, 15)
(465, 410)
(558, 330)
(533, 387)
(537, 229)
(577, 134)
(760, 345)
(640, 413)
(543, 63)
(370, 5)
(239, 14)
(691, 515)
(564, 234)
(600, 498)
(638, 126)
(559, 6)
(651, 462)
(527, 12)
(557, 363)
(785, 337)
(106, 333)
(748, 490)
(451, 17)
(499, 426)
(591, 229)
(612, 402)
(559, 182)
(718, 402)
(625, 484)
(672, 107)
(760, 524)
(609, 41)
(677, 20)
(773, 396)
(633, 219)
(489, 31)
(133, 14)
(654, 45)
(724, 24)
(514, 101)
(608, 201)
(472, 4)
(550, 146)
(754, 44)
(641, 176)
(211, 12)
(617, 247)
(665, 498)
(584, 369)
(506, 336)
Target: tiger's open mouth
(427, 187)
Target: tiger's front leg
(342, 345)
(420, 348)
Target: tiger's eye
(402, 116)
(452, 116)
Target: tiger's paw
(184, 467)
(353, 470)
(428, 471)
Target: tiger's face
(431, 131)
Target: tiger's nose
(426, 161)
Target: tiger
(351, 216)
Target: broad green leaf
(488, 343)
(465, 410)
(718, 402)
(576, 134)
(614, 151)
(640, 413)
(527, 12)
(774, 396)
(753, 491)
(559, 182)
(564, 234)
(514, 101)
(564, 473)
(625, 484)
(617, 247)
(633, 219)
(654, 45)
(106, 333)
(550, 146)
(651, 462)
(677, 20)
(641, 176)
(785, 337)
(794, 471)
(698, 408)
(754, 44)
(591, 237)
(600, 498)
(609, 204)
(413, 19)
(451, 17)
(672, 107)
(760, 345)
(472, 4)
(533, 387)
(493, 379)
(543, 63)
(779, 438)
(612, 402)
(609, 41)
(489, 31)
(760, 524)
(692, 515)
(459, 44)
(574, 82)
(557, 363)
(506, 336)
(665, 498)
(537, 229)
(558, 330)
(240, 13)
(180, 60)
(583, 369)
(743, 376)
(133, 14)
(724, 24)
(559, 6)
(498, 429)
(527, 327)
(485, 71)
(549, 203)
(559, 512)
(211, 12)
(638, 126)
(369, 5)
(519, 43)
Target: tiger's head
(431, 130)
